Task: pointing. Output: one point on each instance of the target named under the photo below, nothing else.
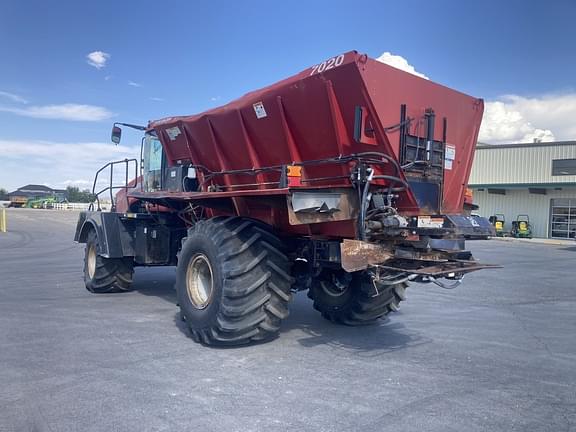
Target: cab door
(153, 163)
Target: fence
(70, 206)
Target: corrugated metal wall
(520, 201)
(519, 164)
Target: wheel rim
(91, 261)
(334, 287)
(199, 281)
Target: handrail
(110, 187)
(370, 158)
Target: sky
(69, 69)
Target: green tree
(3, 194)
(76, 195)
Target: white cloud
(215, 98)
(79, 183)
(515, 119)
(399, 62)
(13, 97)
(57, 151)
(157, 99)
(98, 59)
(59, 164)
(69, 111)
(134, 84)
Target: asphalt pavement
(496, 354)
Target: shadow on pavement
(309, 328)
(156, 282)
(385, 336)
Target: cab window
(153, 163)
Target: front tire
(105, 275)
(233, 282)
(352, 298)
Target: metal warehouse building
(535, 179)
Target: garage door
(563, 220)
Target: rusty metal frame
(357, 255)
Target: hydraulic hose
(363, 211)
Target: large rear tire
(352, 298)
(233, 282)
(105, 275)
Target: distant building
(22, 195)
(537, 179)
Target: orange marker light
(294, 175)
(294, 171)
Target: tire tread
(256, 286)
(363, 306)
(112, 275)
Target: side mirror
(116, 135)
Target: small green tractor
(498, 221)
(521, 227)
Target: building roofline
(521, 185)
(540, 144)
